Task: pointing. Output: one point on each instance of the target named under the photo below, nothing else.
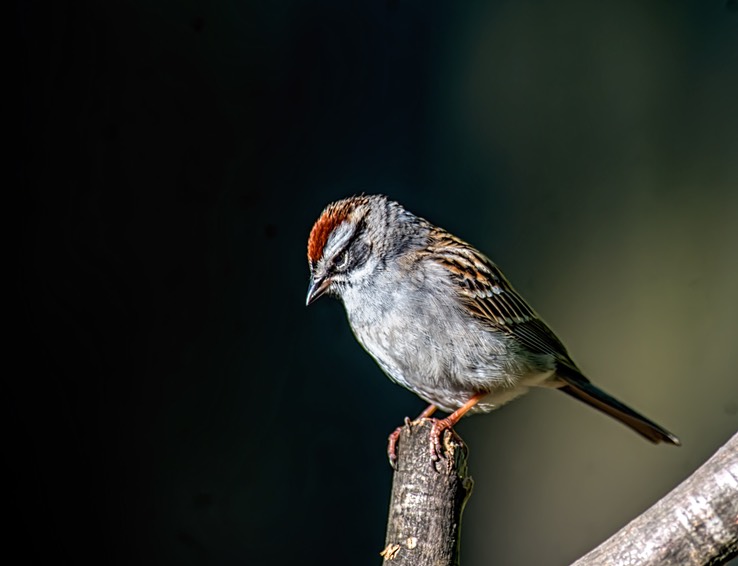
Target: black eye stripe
(341, 259)
(338, 256)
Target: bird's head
(356, 238)
(341, 246)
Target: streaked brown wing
(492, 299)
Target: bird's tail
(581, 388)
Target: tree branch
(695, 524)
(427, 500)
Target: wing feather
(492, 299)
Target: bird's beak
(318, 287)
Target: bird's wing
(492, 299)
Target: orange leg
(395, 436)
(429, 410)
(439, 427)
(442, 425)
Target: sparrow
(441, 319)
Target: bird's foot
(438, 430)
(392, 443)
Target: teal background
(176, 403)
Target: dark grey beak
(318, 287)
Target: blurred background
(178, 404)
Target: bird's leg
(429, 410)
(442, 425)
(395, 436)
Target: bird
(441, 319)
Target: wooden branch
(427, 500)
(695, 524)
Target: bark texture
(427, 500)
(695, 524)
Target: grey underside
(443, 359)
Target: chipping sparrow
(440, 318)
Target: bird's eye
(342, 261)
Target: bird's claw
(440, 426)
(437, 450)
(392, 443)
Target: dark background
(176, 403)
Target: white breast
(424, 341)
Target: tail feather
(580, 388)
